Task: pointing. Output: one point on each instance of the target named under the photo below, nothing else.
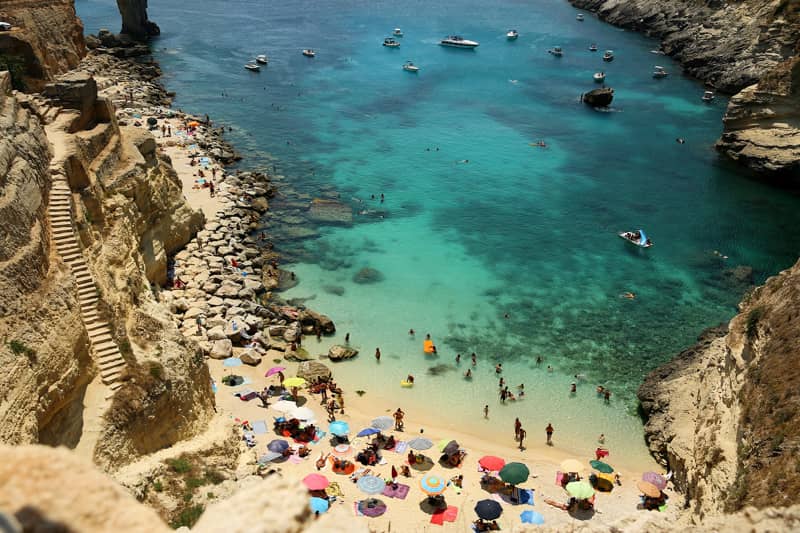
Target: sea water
(487, 242)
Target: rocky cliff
(732, 46)
(47, 40)
(134, 19)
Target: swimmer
(474, 359)
(549, 368)
(601, 439)
(458, 358)
(411, 332)
(502, 382)
(629, 295)
(428, 336)
(573, 388)
(498, 368)
(468, 373)
(538, 359)
(600, 389)
(680, 140)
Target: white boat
(456, 41)
(397, 32)
(556, 51)
(308, 52)
(408, 66)
(637, 237)
(262, 59)
(579, 17)
(599, 77)
(608, 55)
(659, 72)
(391, 43)
(252, 67)
(593, 47)
(512, 35)
(708, 96)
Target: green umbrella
(600, 466)
(514, 473)
(580, 490)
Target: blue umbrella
(367, 432)
(371, 484)
(531, 517)
(339, 428)
(319, 505)
(232, 361)
(278, 446)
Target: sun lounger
(401, 447)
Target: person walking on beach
(521, 438)
(503, 395)
(169, 130)
(549, 431)
(378, 354)
(211, 189)
(163, 130)
(398, 419)
(486, 411)
(498, 368)
(517, 427)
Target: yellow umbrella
(572, 465)
(294, 382)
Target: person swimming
(629, 295)
(468, 373)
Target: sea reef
(732, 46)
(135, 21)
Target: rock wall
(47, 37)
(134, 19)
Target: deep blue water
(518, 230)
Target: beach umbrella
(572, 465)
(442, 443)
(342, 450)
(600, 466)
(531, 517)
(339, 428)
(656, 479)
(580, 490)
(274, 370)
(294, 382)
(268, 457)
(488, 510)
(284, 406)
(302, 413)
(366, 432)
(514, 473)
(451, 448)
(232, 361)
(371, 484)
(278, 446)
(193, 124)
(316, 482)
(319, 505)
(383, 423)
(371, 507)
(648, 489)
(491, 463)
(431, 484)
(420, 443)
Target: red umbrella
(316, 482)
(492, 463)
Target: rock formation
(134, 19)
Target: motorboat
(593, 47)
(408, 66)
(598, 97)
(456, 41)
(637, 237)
(262, 59)
(397, 32)
(308, 52)
(659, 72)
(252, 67)
(599, 77)
(556, 51)
(512, 35)
(391, 43)
(708, 96)
(608, 55)
(579, 17)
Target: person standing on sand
(398, 419)
(503, 395)
(486, 411)
(522, 435)
(549, 431)
(211, 189)
(378, 354)
(517, 427)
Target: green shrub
(193, 482)
(158, 486)
(214, 477)
(16, 67)
(180, 465)
(188, 517)
(751, 328)
(20, 348)
(155, 371)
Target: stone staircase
(106, 352)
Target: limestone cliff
(730, 45)
(134, 19)
(47, 39)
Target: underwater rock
(367, 275)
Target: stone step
(90, 318)
(108, 353)
(111, 365)
(112, 375)
(87, 292)
(63, 223)
(100, 338)
(87, 303)
(98, 328)
(106, 344)
(114, 386)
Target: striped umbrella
(342, 450)
(431, 484)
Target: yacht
(659, 72)
(408, 66)
(252, 67)
(308, 52)
(579, 17)
(593, 47)
(397, 32)
(512, 35)
(556, 51)
(608, 55)
(708, 96)
(262, 59)
(456, 41)
(599, 77)
(391, 43)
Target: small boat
(579, 17)
(308, 52)
(637, 237)
(708, 96)
(391, 43)
(512, 35)
(598, 97)
(593, 47)
(408, 66)
(397, 32)
(608, 55)
(262, 59)
(659, 72)
(456, 41)
(599, 77)
(556, 51)
(252, 67)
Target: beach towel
(560, 479)
(259, 427)
(438, 518)
(401, 447)
(334, 490)
(450, 513)
(295, 459)
(400, 492)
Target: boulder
(250, 357)
(292, 333)
(311, 318)
(276, 331)
(192, 312)
(227, 289)
(330, 212)
(76, 90)
(298, 355)
(313, 370)
(216, 333)
(367, 275)
(221, 349)
(338, 352)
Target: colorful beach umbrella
(488, 510)
(302, 413)
(383, 423)
(514, 473)
(420, 443)
(366, 432)
(600, 466)
(319, 505)
(432, 484)
(648, 489)
(339, 428)
(491, 463)
(274, 370)
(656, 479)
(572, 466)
(294, 382)
(278, 446)
(580, 490)
(371, 484)
(372, 507)
(232, 361)
(316, 482)
(531, 517)
(284, 406)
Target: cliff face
(731, 45)
(134, 19)
(47, 37)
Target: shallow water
(517, 230)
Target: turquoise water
(518, 230)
